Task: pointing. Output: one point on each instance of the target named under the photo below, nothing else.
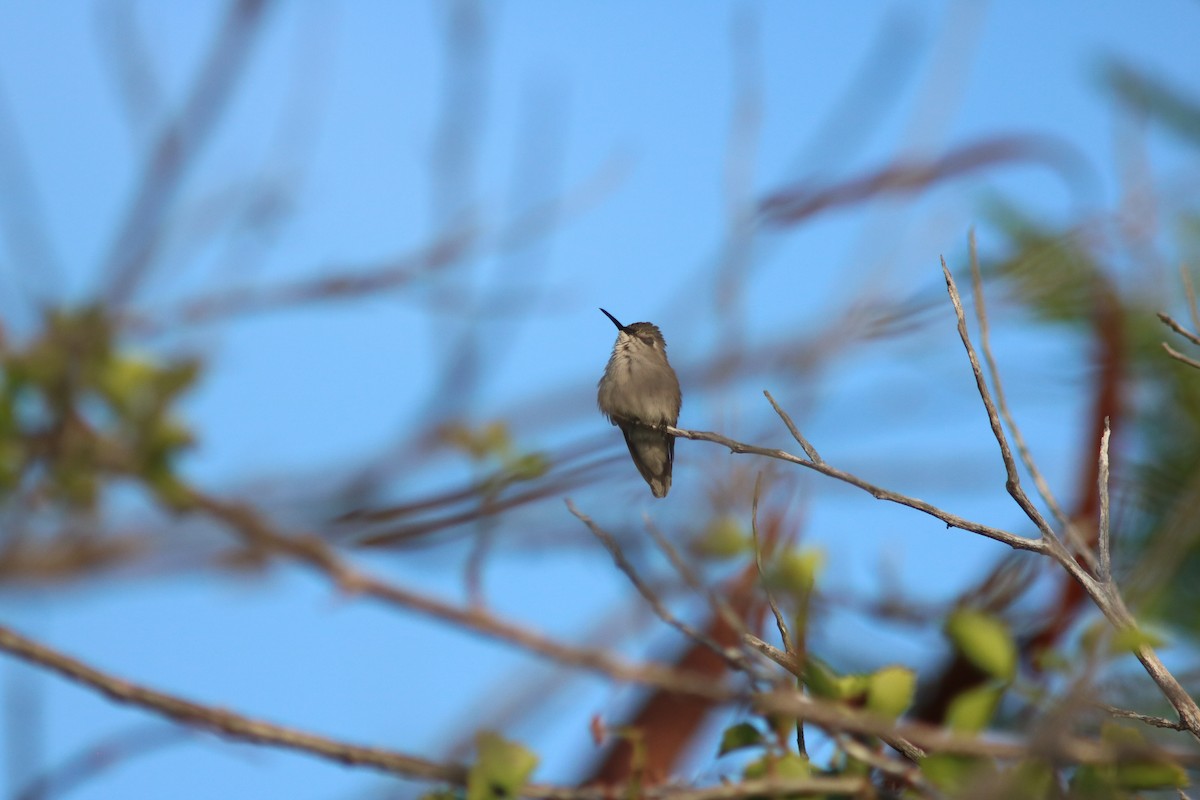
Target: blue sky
(627, 108)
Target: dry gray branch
(735, 659)
(879, 493)
(1039, 480)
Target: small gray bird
(639, 393)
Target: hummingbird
(639, 393)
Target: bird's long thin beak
(620, 327)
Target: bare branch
(1105, 555)
(952, 520)
(1170, 322)
(780, 623)
(732, 657)
(1178, 356)
(1013, 483)
(1157, 722)
(1023, 451)
(719, 603)
(809, 450)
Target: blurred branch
(794, 204)
(176, 148)
(110, 752)
(226, 722)
(339, 284)
(315, 553)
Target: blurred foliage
(501, 768)
(1062, 282)
(76, 411)
(492, 444)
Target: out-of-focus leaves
(487, 441)
(782, 767)
(1115, 780)
(501, 768)
(823, 682)
(972, 711)
(890, 690)
(723, 538)
(954, 774)
(740, 736)
(985, 640)
(794, 572)
(1052, 274)
(77, 412)
(1180, 113)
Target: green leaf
(737, 737)
(528, 467)
(953, 774)
(825, 683)
(479, 443)
(795, 572)
(984, 640)
(1145, 776)
(1031, 780)
(972, 710)
(890, 690)
(1132, 639)
(501, 768)
(791, 765)
(724, 538)
(1100, 780)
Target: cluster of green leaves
(76, 411)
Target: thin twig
(1170, 322)
(733, 658)
(879, 493)
(809, 450)
(1102, 480)
(1013, 482)
(719, 604)
(907, 772)
(788, 661)
(780, 623)
(1039, 480)
(1178, 356)
(1157, 722)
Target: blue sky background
(629, 109)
